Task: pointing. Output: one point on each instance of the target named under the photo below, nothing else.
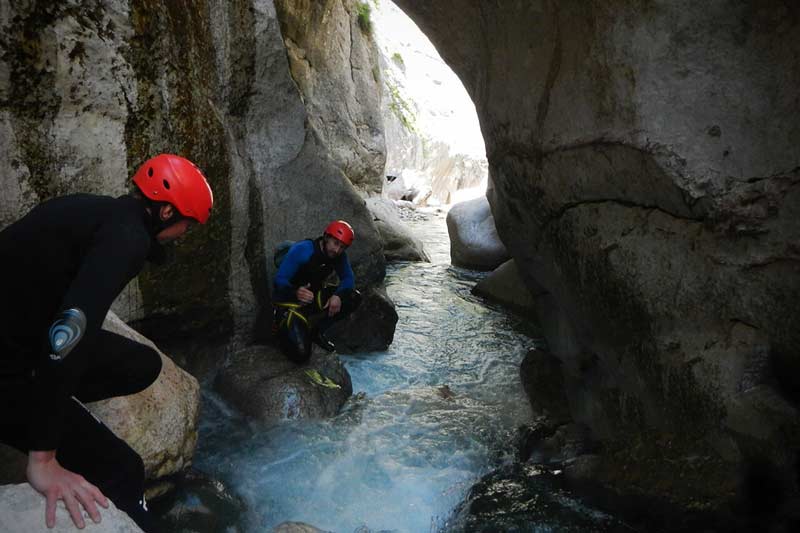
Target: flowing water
(428, 418)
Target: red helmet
(340, 230)
(171, 178)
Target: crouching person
(305, 307)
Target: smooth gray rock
(505, 286)
(22, 510)
(644, 170)
(474, 242)
(399, 243)
(263, 384)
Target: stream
(428, 418)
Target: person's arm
(114, 257)
(298, 255)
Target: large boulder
(644, 172)
(474, 242)
(399, 244)
(369, 328)
(22, 509)
(505, 286)
(263, 384)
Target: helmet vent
(166, 184)
(150, 172)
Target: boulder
(474, 242)
(263, 384)
(296, 527)
(370, 328)
(399, 244)
(22, 509)
(505, 286)
(199, 504)
(160, 422)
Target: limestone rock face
(263, 384)
(334, 62)
(644, 170)
(160, 422)
(399, 243)
(474, 242)
(22, 509)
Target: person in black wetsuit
(63, 265)
(302, 296)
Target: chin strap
(66, 332)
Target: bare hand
(333, 305)
(57, 483)
(304, 295)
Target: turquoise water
(429, 416)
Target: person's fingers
(86, 499)
(74, 510)
(50, 509)
(97, 495)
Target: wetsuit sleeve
(347, 279)
(298, 255)
(114, 257)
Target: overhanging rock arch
(644, 162)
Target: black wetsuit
(306, 264)
(77, 251)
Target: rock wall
(89, 90)
(333, 60)
(644, 169)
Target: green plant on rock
(401, 109)
(398, 60)
(364, 20)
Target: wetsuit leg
(294, 339)
(118, 366)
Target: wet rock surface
(199, 504)
(505, 286)
(263, 384)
